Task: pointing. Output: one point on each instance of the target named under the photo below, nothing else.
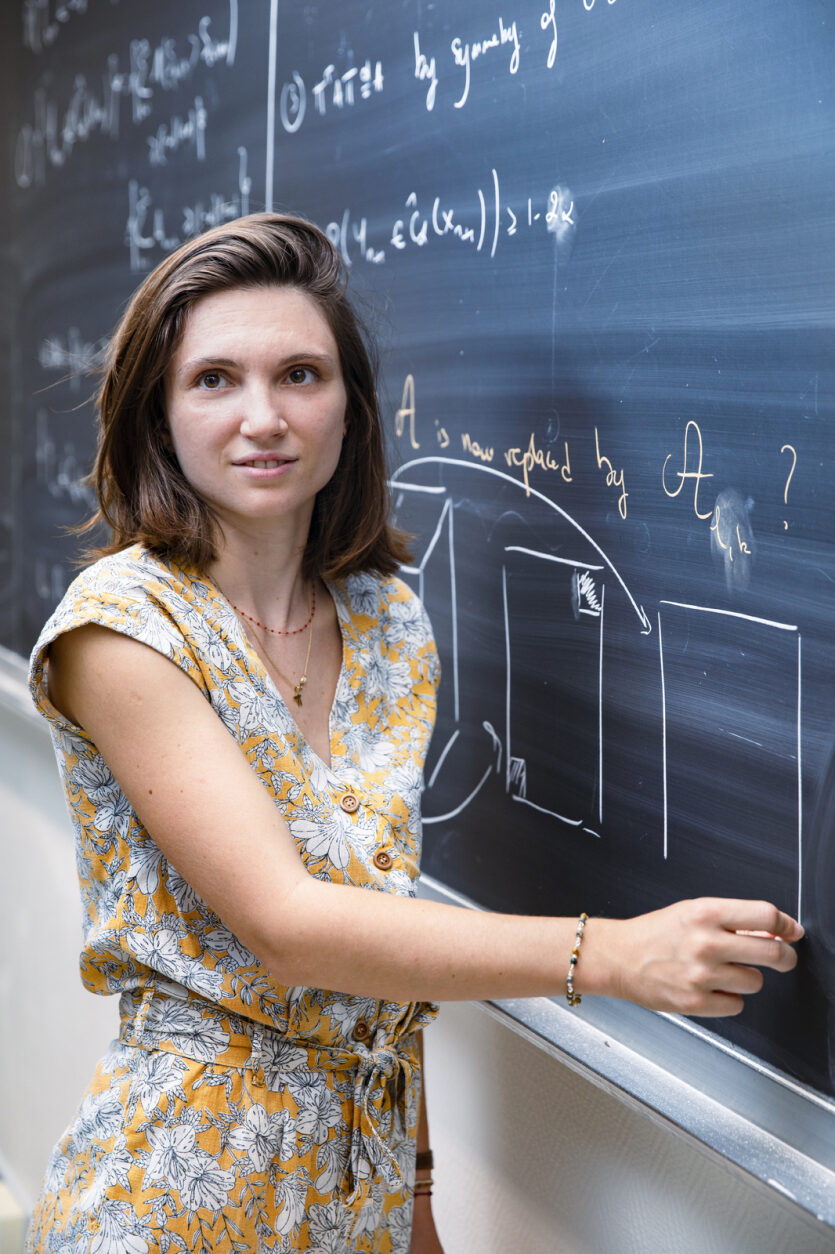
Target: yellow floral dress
(233, 1113)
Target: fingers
(703, 957)
(750, 916)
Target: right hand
(699, 957)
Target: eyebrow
(206, 363)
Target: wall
(529, 1155)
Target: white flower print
(95, 778)
(114, 1169)
(114, 814)
(220, 940)
(100, 1115)
(105, 894)
(369, 1216)
(116, 1231)
(203, 1184)
(158, 632)
(145, 863)
(375, 755)
(278, 1054)
(197, 1035)
(400, 1227)
(261, 1135)
(182, 892)
(171, 1150)
(56, 1169)
(159, 949)
(290, 1200)
(159, 1073)
(194, 975)
(327, 839)
(364, 595)
(319, 1111)
(383, 677)
(329, 1227)
(409, 626)
(331, 1160)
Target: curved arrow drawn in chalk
(646, 626)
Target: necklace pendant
(297, 692)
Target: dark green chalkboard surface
(597, 241)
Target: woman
(277, 766)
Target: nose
(262, 417)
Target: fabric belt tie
(384, 1074)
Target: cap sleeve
(130, 593)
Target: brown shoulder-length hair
(144, 496)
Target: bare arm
(197, 795)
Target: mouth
(264, 463)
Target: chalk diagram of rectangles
(731, 710)
(554, 612)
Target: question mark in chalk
(788, 448)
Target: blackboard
(597, 242)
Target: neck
(262, 576)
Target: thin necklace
(297, 691)
(299, 687)
(273, 630)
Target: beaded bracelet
(571, 997)
(423, 1188)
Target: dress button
(349, 802)
(361, 1030)
(382, 860)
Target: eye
(302, 374)
(211, 380)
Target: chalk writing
(172, 135)
(72, 355)
(788, 448)
(425, 71)
(533, 456)
(465, 53)
(407, 411)
(732, 538)
(486, 221)
(472, 446)
(56, 129)
(697, 475)
(146, 228)
(548, 21)
(614, 478)
(334, 89)
(344, 233)
(44, 19)
(62, 471)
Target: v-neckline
(256, 664)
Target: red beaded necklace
(273, 630)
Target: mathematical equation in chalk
(335, 89)
(488, 219)
(60, 124)
(148, 234)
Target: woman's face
(256, 404)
